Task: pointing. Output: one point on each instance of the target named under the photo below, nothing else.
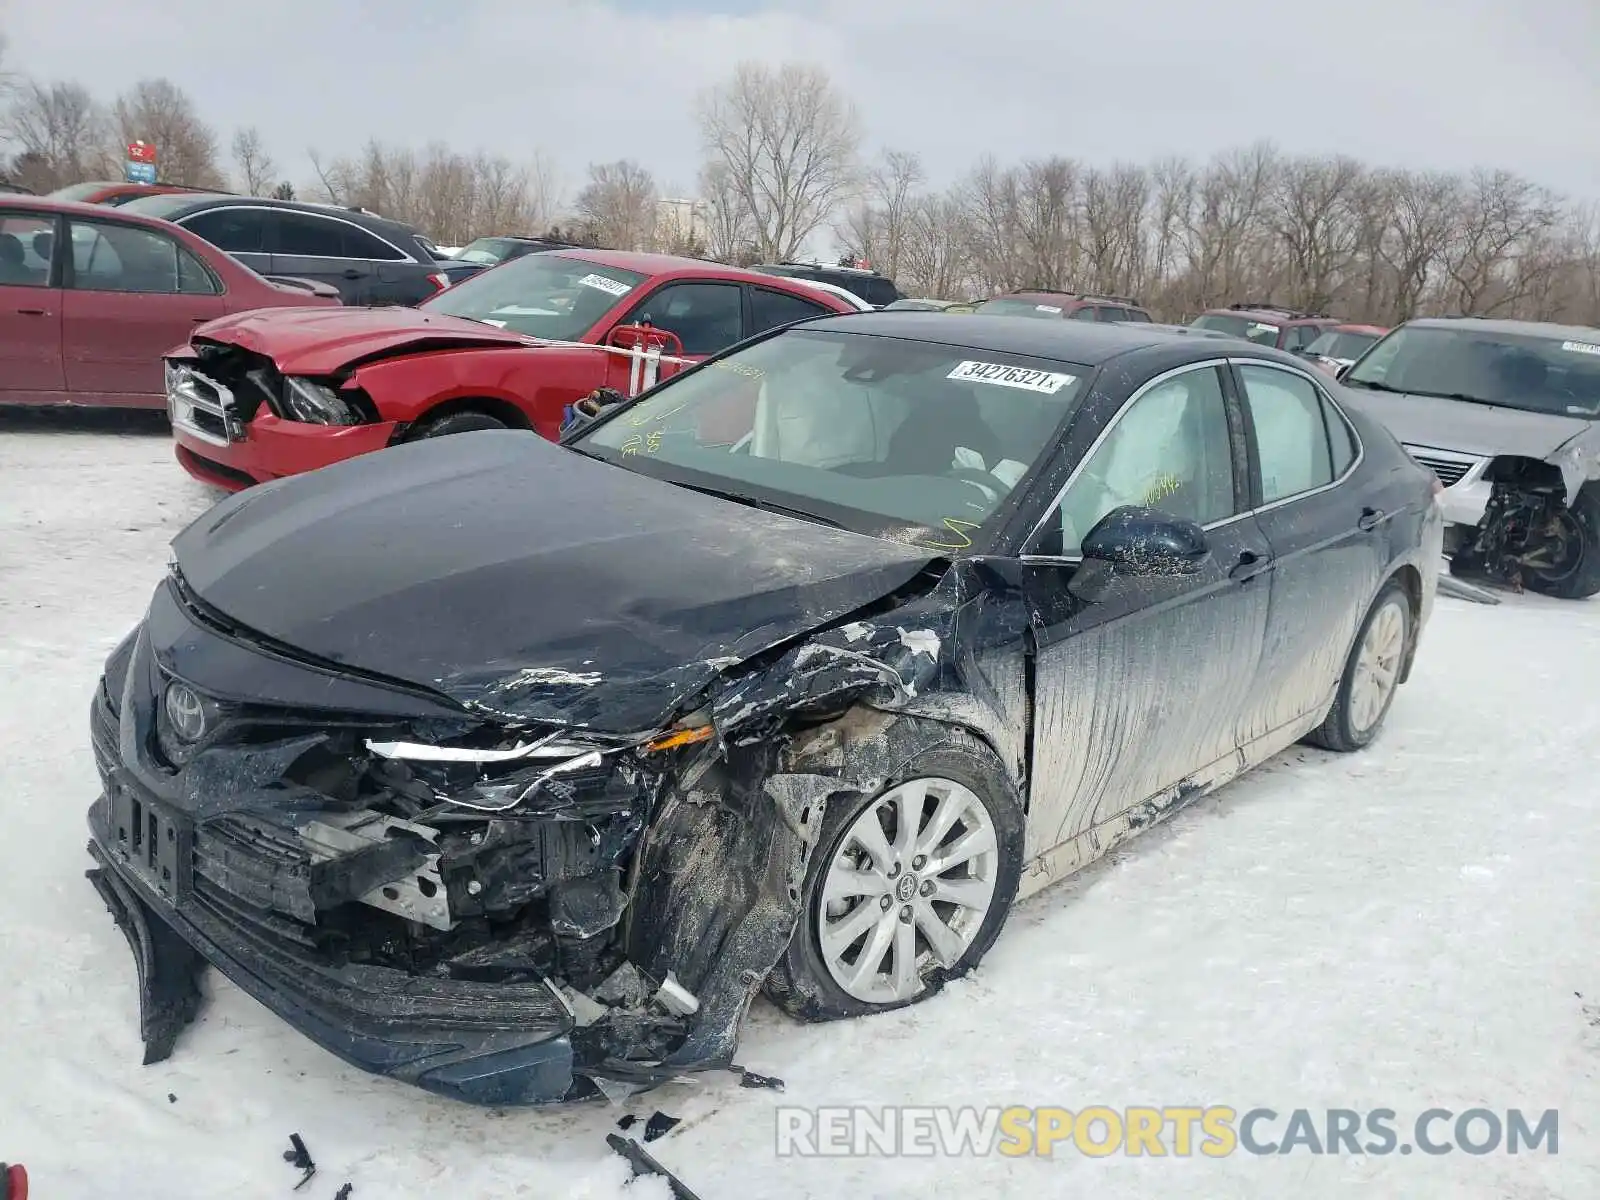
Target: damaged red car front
(264, 395)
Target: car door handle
(1250, 564)
(34, 312)
(352, 273)
(1369, 519)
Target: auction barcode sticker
(1000, 375)
(1580, 347)
(606, 285)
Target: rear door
(1327, 548)
(30, 308)
(239, 231)
(131, 295)
(769, 308)
(335, 251)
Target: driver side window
(1170, 449)
(707, 317)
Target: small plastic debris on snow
(344, 1192)
(659, 1124)
(171, 1099)
(299, 1157)
(750, 1079)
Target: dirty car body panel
(512, 791)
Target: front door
(1140, 681)
(1324, 544)
(131, 295)
(30, 309)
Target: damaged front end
(500, 912)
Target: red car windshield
(1345, 346)
(556, 296)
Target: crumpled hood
(319, 341)
(526, 579)
(1426, 421)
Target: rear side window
(108, 257)
(358, 243)
(309, 236)
(880, 292)
(1340, 440)
(1087, 313)
(25, 248)
(1138, 314)
(768, 310)
(236, 230)
(1291, 432)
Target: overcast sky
(1425, 83)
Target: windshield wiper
(1375, 386)
(758, 502)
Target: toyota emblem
(186, 711)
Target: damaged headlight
(497, 779)
(316, 403)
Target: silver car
(1507, 415)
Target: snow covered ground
(1409, 928)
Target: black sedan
(515, 770)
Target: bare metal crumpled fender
(1579, 461)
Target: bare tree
(788, 141)
(935, 258)
(61, 134)
(1311, 212)
(257, 171)
(618, 206)
(1501, 217)
(730, 230)
(158, 111)
(877, 226)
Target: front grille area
(1450, 469)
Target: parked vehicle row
(270, 394)
(514, 770)
(91, 297)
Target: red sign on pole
(142, 152)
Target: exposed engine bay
(1529, 536)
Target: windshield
(1249, 328)
(554, 296)
(1345, 346)
(1531, 372)
(1020, 308)
(486, 250)
(887, 436)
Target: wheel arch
(492, 406)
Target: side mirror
(1145, 542)
(1343, 371)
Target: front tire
(909, 887)
(457, 422)
(1579, 578)
(1371, 674)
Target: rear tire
(1371, 674)
(457, 422)
(945, 775)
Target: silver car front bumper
(1466, 492)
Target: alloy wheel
(908, 889)
(1377, 667)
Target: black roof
(173, 205)
(1087, 343)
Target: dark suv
(370, 259)
(877, 290)
(1073, 306)
(1268, 325)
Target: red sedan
(91, 298)
(265, 395)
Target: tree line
(784, 164)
